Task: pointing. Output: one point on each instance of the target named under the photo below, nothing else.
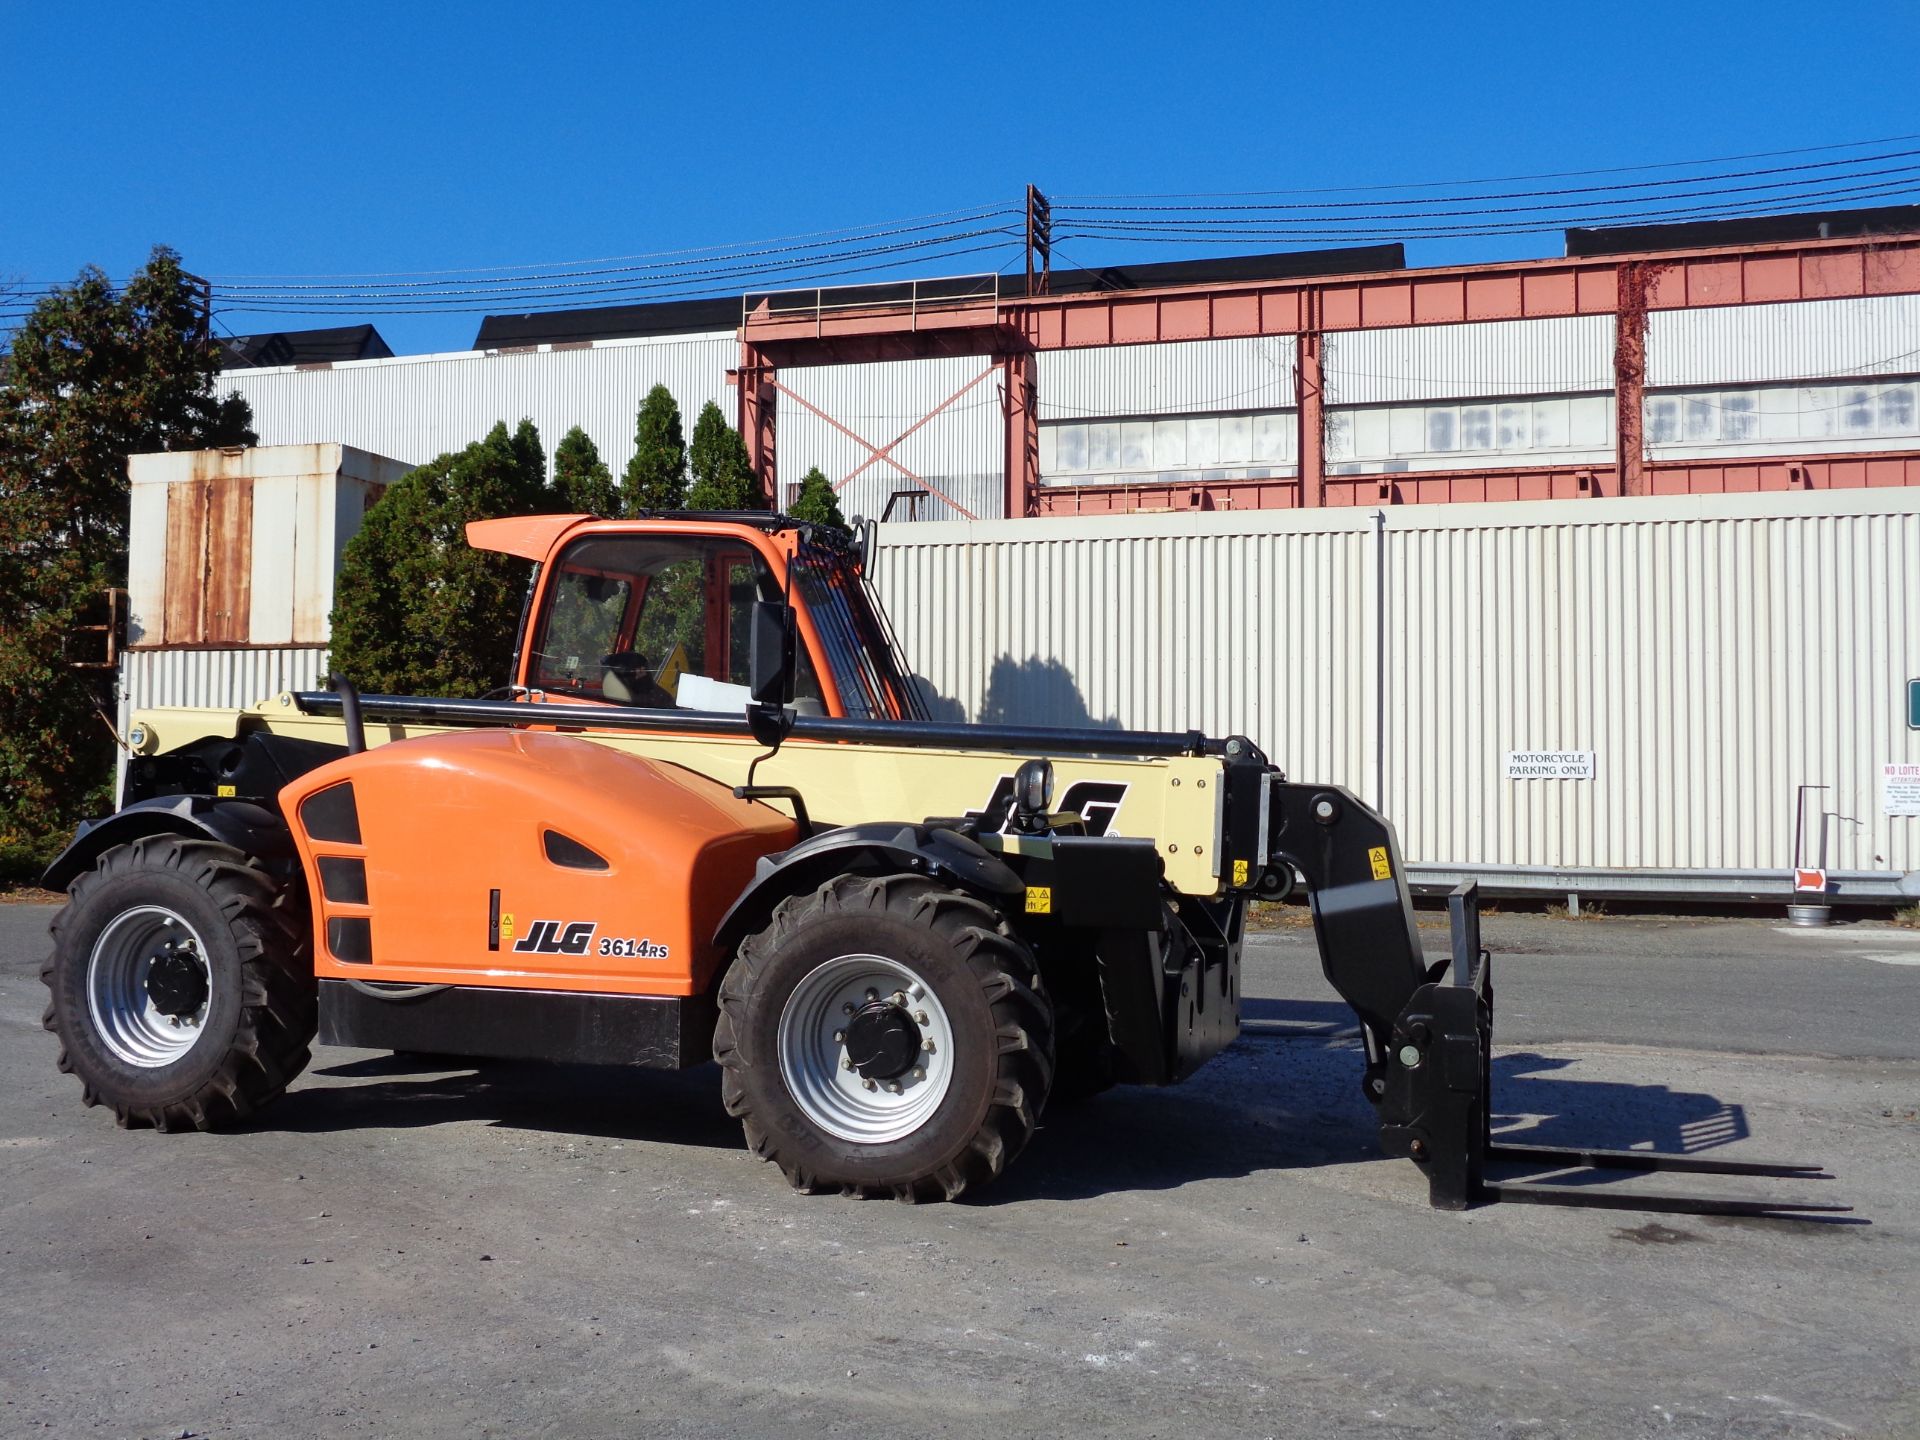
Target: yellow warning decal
(667, 677)
(1039, 900)
(1377, 857)
(506, 927)
(225, 792)
(1240, 872)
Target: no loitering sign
(1549, 764)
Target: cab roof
(532, 537)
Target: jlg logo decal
(1097, 800)
(555, 937)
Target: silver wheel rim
(813, 1053)
(125, 1016)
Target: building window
(1253, 445)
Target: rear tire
(971, 1098)
(180, 984)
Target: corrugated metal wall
(1182, 378)
(960, 451)
(1713, 652)
(416, 407)
(1802, 340)
(1454, 362)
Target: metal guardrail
(1773, 887)
(914, 297)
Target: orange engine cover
(522, 859)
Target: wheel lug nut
(873, 994)
(894, 1086)
(869, 1084)
(927, 1045)
(846, 1062)
(839, 1037)
(847, 1009)
(919, 1072)
(920, 1017)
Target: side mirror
(771, 658)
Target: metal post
(1311, 416)
(1380, 659)
(1634, 279)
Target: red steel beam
(1552, 482)
(1452, 295)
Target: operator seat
(627, 679)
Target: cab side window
(583, 624)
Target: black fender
(876, 848)
(246, 825)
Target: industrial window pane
(1049, 436)
(1513, 428)
(1737, 417)
(1779, 414)
(1699, 419)
(1550, 425)
(1440, 428)
(1590, 421)
(1103, 445)
(1203, 441)
(1897, 409)
(1818, 416)
(1663, 420)
(1407, 430)
(1271, 433)
(1136, 444)
(1857, 417)
(1169, 442)
(1370, 440)
(1071, 447)
(1236, 439)
(1339, 435)
(1476, 427)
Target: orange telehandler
(710, 818)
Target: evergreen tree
(723, 478)
(92, 376)
(418, 610)
(582, 484)
(816, 503)
(529, 452)
(656, 477)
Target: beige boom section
(1552, 691)
(1175, 801)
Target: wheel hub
(882, 1041)
(177, 983)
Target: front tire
(885, 1036)
(180, 985)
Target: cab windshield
(662, 622)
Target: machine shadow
(599, 1102)
(1286, 1096)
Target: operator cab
(658, 619)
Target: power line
(1511, 179)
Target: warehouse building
(1585, 569)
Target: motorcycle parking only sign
(1549, 764)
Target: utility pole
(1039, 240)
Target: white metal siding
(222, 679)
(1183, 377)
(1796, 340)
(416, 407)
(1568, 355)
(960, 451)
(1715, 652)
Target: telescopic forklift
(710, 817)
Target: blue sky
(349, 139)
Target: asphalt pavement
(395, 1249)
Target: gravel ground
(531, 1251)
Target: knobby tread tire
(1021, 1069)
(265, 1049)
